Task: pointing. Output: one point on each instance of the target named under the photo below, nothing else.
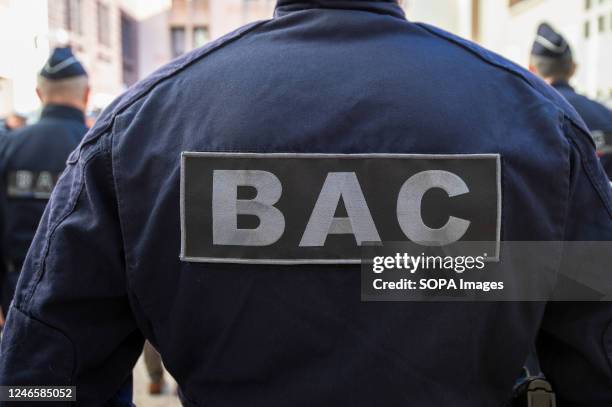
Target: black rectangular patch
(603, 141)
(27, 184)
(322, 208)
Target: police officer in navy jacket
(196, 214)
(33, 157)
(552, 59)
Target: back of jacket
(596, 116)
(33, 159)
(327, 77)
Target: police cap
(550, 44)
(62, 64)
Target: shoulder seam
(518, 74)
(39, 266)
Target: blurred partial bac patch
(323, 208)
(603, 141)
(31, 184)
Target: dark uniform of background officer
(552, 59)
(325, 76)
(32, 158)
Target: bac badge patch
(31, 184)
(322, 208)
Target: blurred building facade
(587, 25)
(169, 28)
(24, 47)
(509, 26)
(29, 29)
(93, 30)
(122, 41)
(118, 41)
(456, 16)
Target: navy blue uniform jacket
(327, 76)
(596, 116)
(37, 152)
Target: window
(68, 15)
(601, 24)
(177, 38)
(127, 36)
(129, 49)
(200, 36)
(513, 2)
(103, 23)
(587, 29)
(72, 16)
(587, 4)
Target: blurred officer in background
(12, 122)
(92, 116)
(262, 307)
(32, 158)
(552, 59)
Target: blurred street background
(122, 41)
(142, 398)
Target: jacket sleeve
(575, 341)
(71, 321)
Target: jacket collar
(562, 84)
(390, 7)
(62, 112)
